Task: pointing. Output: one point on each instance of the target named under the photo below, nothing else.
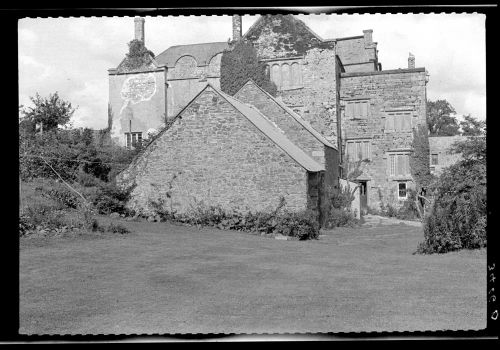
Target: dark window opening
(402, 190)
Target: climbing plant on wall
(240, 63)
(137, 57)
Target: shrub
(301, 225)
(409, 210)
(457, 219)
(338, 209)
(117, 228)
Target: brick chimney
(139, 28)
(367, 33)
(411, 61)
(237, 31)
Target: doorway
(363, 197)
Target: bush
(301, 225)
(117, 228)
(338, 209)
(457, 218)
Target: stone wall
(440, 145)
(213, 154)
(187, 79)
(316, 102)
(136, 103)
(358, 54)
(386, 92)
(294, 131)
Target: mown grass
(164, 278)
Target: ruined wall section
(358, 54)
(402, 90)
(136, 102)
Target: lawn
(164, 278)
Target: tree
(458, 216)
(472, 127)
(49, 113)
(440, 120)
(240, 63)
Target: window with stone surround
(397, 121)
(132, 138)
(398, 164)
(357, 109)
(359, 149)
(286, 74)
(402, 190)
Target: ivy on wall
(420, 158)
(288, 35)
(240, 63)
(138, 56)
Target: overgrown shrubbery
(457, 218)
(300, 225)
(338, 208)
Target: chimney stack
(139, 29)
(237, 31)
(411, 61)
(367, 33)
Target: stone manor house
(335, 106)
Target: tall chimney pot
(411, 61)
(139, 28)
(367, 33)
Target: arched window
(296, 75)
(275, 75)
(285, 76)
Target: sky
(72, 55)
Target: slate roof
(294, 115)
(202, 53)
(271, 131)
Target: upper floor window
(399, 163)
(286, 75)
(357, 109)
(358, 150)
(132, 139)
(398, 121)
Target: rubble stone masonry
(213, 154)
(402, 90)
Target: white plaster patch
(139, 88)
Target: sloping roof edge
(297, 117)
(292, 16)
(297, 154)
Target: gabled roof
(202, 53)
(294, 115)
(261, 18)
(271, 131)
(261, 122)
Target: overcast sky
(72, 55)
